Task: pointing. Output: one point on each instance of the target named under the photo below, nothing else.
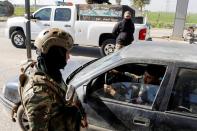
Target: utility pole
(28, 29)
(180, 18)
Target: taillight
(142, 34)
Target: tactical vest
(31, 77)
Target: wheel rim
(18, 40)
(109, 48)
(24, 121)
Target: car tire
(107, 47)
(22, 119)
(18, 39)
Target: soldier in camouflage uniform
(43, 90)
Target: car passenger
(150, 77)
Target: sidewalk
(160, 32)
(169, 40)
(3, 19)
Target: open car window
(128, 92)
(127, 88)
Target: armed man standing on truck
(42, 89)
(123, 31)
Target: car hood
(18, 19)
(10, 90)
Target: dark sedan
(171, 104)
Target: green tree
(139, 4)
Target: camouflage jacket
(43, 100)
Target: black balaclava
(126, 25)
(52, 62)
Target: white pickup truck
(88, 24)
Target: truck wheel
(22, 119)
(18, 39)
(108, 47)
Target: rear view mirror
(6, 9)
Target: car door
(64, 19)
(180, 109)
(41, 20)
(115, 114)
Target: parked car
(89, 25)
(172, 103)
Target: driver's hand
(109, 90)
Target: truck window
(99, 13)
(184, 94)
(43, 14)
(138, 20)
(62, 14)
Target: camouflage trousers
(46, 112)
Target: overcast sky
(155, 5)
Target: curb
(3, 19)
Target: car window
(184, 94)
(128, 83)
(138, 20)
(43, 14)
(128, 92)
(62, 14)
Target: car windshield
(96, 67)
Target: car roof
(163, 51)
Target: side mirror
(32, 16)
(6, 9)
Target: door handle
(67, 25)
(46, 25)
(141, 121)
